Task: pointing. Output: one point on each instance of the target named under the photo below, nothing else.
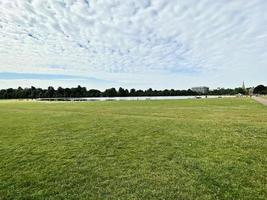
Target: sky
(133, 43)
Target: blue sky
(133, 43)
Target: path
(261, 100)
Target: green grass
(184, 149)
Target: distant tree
(149, 92)
(60, 92)
(260, 89)
(139, 93)
(2, 94)
(20, 93)
(239, 91)
(67, 92)
(123, 92)
(132, 92)
(93, 93)
(39, 92)
(33, 92)
(172, 92)
(112, 92)
(82, 91)
(166, 92)
(10, 93)
(50, 93)
(78, 92)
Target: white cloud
(160, 38)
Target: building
(251, 91)
(201, 90)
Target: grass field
(172, 149)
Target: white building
(201, 90)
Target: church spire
(243, 86)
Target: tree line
(50, 92)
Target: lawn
(167, 149)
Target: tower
(243, 86)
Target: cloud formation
(134, 37)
